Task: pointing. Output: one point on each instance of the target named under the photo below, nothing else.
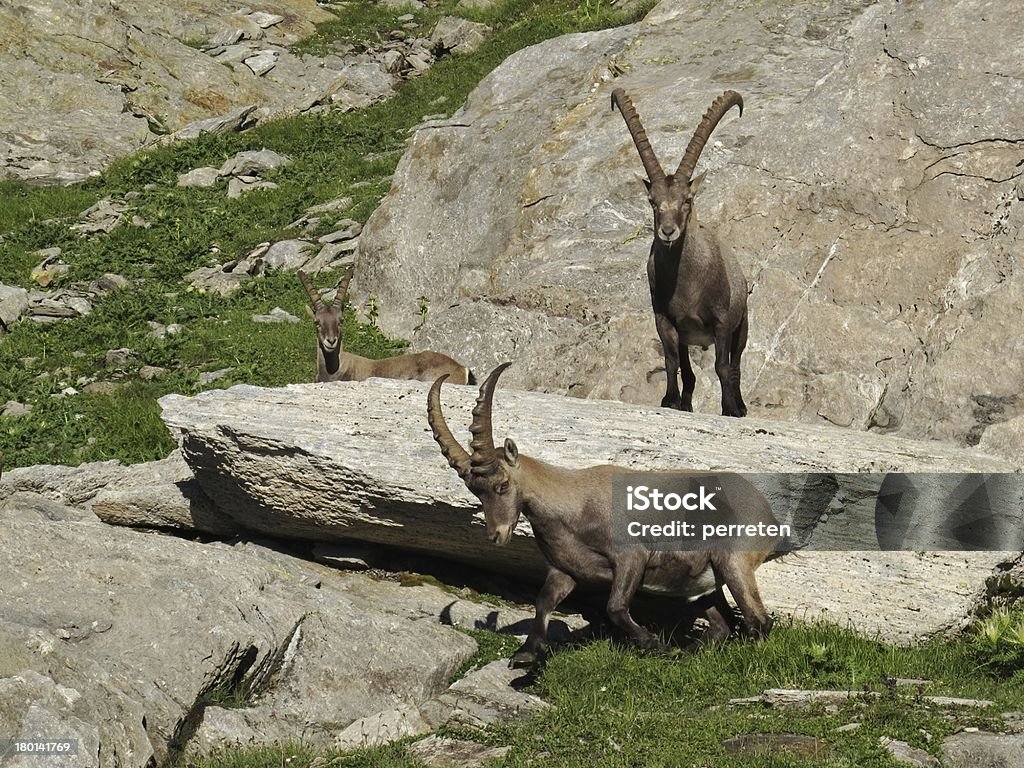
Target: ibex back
(333, 363)
(698, 290)
(570, 512)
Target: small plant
(998, 641)
(822, 658)
(422, 313)
(372, 312)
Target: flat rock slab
(120, 638)
(356, 460)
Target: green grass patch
(619, 708)
(335, 154)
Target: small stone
(224, 38)
(908, 755)
(239, 186)
(208, 377)
(350, 230)
(206, 176)
(288, 254)
(252, 162)
(262, 62)
(50, 268)
(264, 20)
(150, 372)
(276, 315)
(118, 358)
(14, 408)
(108, 282)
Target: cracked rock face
(870, 191)
(148, 630)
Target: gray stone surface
(332, 462)
(133, 75)
(121, 638)
(983, 750)
(882, 242)
(13, 304)
(444, 752)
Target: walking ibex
(698, 290)
(571, 514)
(334, 364)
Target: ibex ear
(511, 452)
(695, 183)
(646, 181)
(310, 312)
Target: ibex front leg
(670, 345)
(557, 587)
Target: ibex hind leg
(736, 570)
(731, 405)
(737, 345)
(721, 618)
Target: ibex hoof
(522, 658)
(651, 643)
(676, 403)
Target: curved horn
(711, 118)
(456, 455)
(483, 461)
(636, 130)
(314, 294)
(339, 296)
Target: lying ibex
(334, 364)
(697, 287)
(571, 515)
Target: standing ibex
(571, 514)
(334, 364)
(697, 287)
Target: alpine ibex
(571, 514)
(698, 290)
(334, 364)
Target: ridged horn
(711, 118)
(456, 455)
(313, 293)
(654, 170)
(339, 295)
(483, 460)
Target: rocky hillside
(135, 73)
(871, 190)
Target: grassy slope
(617, 708)
(350, 154)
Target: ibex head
(492, 475)
(671, 196)
(327, 317)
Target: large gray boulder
(123, 639)
(871, 190)
(356, 460)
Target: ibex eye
(503, 488)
